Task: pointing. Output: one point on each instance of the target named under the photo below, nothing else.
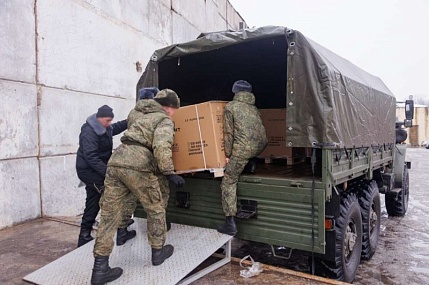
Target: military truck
(328, 205)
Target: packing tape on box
(201, 137)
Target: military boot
(160, 255)
(102, 273)
(84, 237)
(130, 222)
(123, 235)
(228, 227)
(251, 166)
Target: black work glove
(176, 179)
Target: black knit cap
(105, 112)
(168, 98)
(147, 92)
(241, 85)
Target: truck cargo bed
(277, 169)
(283, 212)
(280, 169)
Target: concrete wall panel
(193, 11)
(222, 8)
(232, 17)
(17, 48)
(85, 51)
(63, 113)
(183, 31)
(214, 22)
(61, 195)
(89, 54)
(134, 13)
(19, 195)
(18, 120)
(160, 22)
(166, 3)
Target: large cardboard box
(274, 121)
(198, 142)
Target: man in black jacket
(95, 149)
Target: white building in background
(62, 59)
(419, 133)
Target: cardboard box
(198, 142)
(274, 121)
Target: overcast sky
(387, 38)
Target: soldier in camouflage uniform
(142, 166)
(131, 203)
(245, 138)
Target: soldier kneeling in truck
(245, 138)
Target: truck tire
(369, 201)
(397, 206)
(348, 243)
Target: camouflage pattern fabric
(147, 143)
(137, 169)
(121, 184)
(245, 138)
(129, 208)
(229, 184)
(244, 133)
(130, 204)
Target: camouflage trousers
(151, 190)
(130, 205)
(229, 184)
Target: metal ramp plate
(192, 245)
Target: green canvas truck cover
(330, 101)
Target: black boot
(130, 222)
(123, 235)
(84, 237)
(159, 255)
(251, 166)
(228, 227)
(102, 273)
(168, 226)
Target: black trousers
(92, 180)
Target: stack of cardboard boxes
(198, 143)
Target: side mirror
(409, 109)
(408, 123)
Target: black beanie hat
(241, 85)
(168, 98)
(105, 112)
(147, 92)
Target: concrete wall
(61, 60)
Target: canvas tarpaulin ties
(253, 270)
(201, 137)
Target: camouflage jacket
(147, 144)
(243, 132)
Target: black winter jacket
(96, 144)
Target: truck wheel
(348, 243)
(369, 200)
(397, 206)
